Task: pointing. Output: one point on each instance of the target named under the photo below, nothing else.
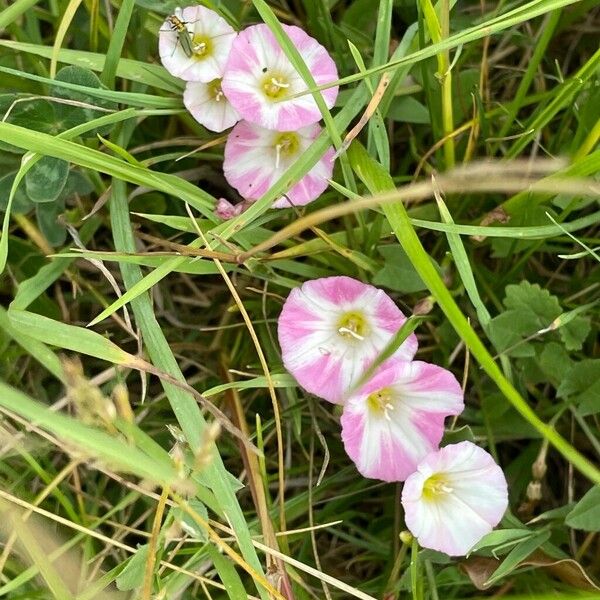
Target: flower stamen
(436, 486)
(381, 402)
(275, 87)
(200, 48)
(353, 325)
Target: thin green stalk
(416, 585)
(377, 180)
(117, 39)
(183, 404)
(546, 32)
(439, 31)
(14, 11)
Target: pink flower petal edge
(259, 77)
(331, 329)
(397, 418)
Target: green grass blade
(70, 337)
(117, 39)
(129, 98)
(463, 265)
(92, 441)
(378, 180)
(133, 70)
(10, 14)
(93, 159)
(29, 160)
(183, 404)
(37, 349)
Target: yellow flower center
(201, 46)
(381, 402)
(214, 89)
(286, 145)
(275, 86)
(353, 326)
(436, 486)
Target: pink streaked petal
(376, 449)
(339, 290)
(409, 429)
(297, 321)
(317, 307)
(252, 168)
(311, 186)
(256, 53)
(322, 378)
(428, 388)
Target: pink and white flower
(202, 54)
(455, 497)
(332, 329)
(397, 418)
(260, 80)
(209, 106)
(226, 210)
(255, 158)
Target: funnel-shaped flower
(260, 80)
(255, 158)
(397, 418)
(209, 106)
(331, 329)
(194, 44)
(456, 496)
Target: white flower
(455, 497)
(194, 44)
(209, 106)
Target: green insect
(183, 34)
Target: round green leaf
(47, 218)
(46, 179)
(21, 203)
(70, 116)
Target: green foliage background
(471, 194)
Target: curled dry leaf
(479, 569)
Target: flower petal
(254, 162)
(215, 115)
(255, 57)
(472, 501)
(387, 438)
(324, 361)
(205, 23)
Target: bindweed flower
(331, 329)
(209, 106)
(226, 210)
(194, 44)
(255, 158)
(260, 80)
(397, 418)
(455, 497)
